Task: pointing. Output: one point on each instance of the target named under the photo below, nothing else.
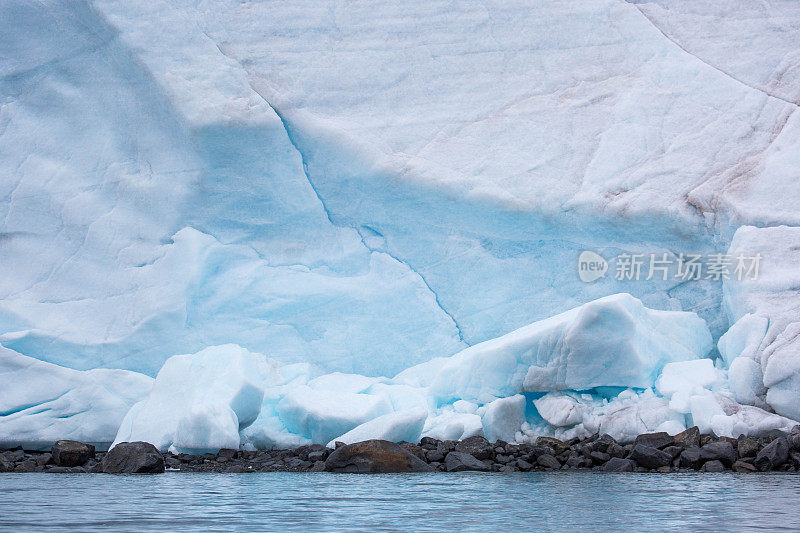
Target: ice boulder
(200, 402)
(559, 409)
(321, 415)
(633, 414)
(746, 381)
(613, 341)
(450, 424)
(715, 413)
(768, 294)
(394, 427)
(503, 418)
(41, 403)
(678, 381)
(743, 338)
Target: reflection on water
(419, 502)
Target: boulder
(71, 453)
(722, 451)
(650, 457)
(548, 461)
(655, 440)
(374, 457)
(133, 458)
(743, 466)
(476, 446)
(794, 438)
(617, 464)
(773, 454)
(556, 445)
(688, 438)
(747, 446)
(713, 466)
(6, 465)
(690, 458)
(463, 462)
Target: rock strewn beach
(688, 451)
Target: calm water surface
(421, 502)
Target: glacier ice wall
(334, 184)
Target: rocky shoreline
(654, 452)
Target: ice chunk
(768, 289)
(746, 381)
(628, 417)
(448, 424)
(503, 418)
(714, 413)
(395, 427)
(782, 372)
(321, 415)
(613, 341)
(678, 381)
(559, 409)
(41, 403)
(743, 339)
(206, 427)
(201, 401)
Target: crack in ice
(371, 249)
(718, 69)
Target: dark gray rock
(773, 454)
(599, 458)
(227, 454)
(318, 455)
(617, 464)
(414, 449)
(26, 466)
(548, 461)
(43, 459)
(690, 458)
(673, 451)
(649, 457)
(524, 465)
(133, 458)
(713, 466)
(743, 466)
(616, 450)
(476, 446)
(429, 443)
(747, 446)
(579, 461)
(434, 456)
(602, 442)
(654, 440)
(6, 465)
(794, 438)
(722, 451)
(554, 444)
(71, 453)
(374, 457)
(462, 462)
(689, 438)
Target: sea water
(398, 502)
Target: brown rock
(374, 457)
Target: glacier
(334, 187)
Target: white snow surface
(363, 190)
